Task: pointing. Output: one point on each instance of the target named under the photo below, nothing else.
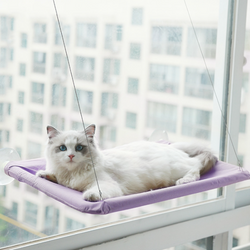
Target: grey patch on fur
(85, 150)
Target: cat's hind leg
(192, 175)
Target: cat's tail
(203, 153)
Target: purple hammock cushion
(222, 174)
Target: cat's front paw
(46, 175)
(186, 180)
(91, 195)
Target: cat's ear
(52, 132)
(90, 131)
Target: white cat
(128, 169)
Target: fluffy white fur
(131, 168)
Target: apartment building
(135, 70)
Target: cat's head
(70, 149)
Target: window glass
(137, 68)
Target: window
(59, 94)
(73, 224)
(22, 69)
(242, 125)
(164, 78)
(166, 40)
(113, 37)
(40, 35)
(60, 67)
(19, 126)
(66, 34)
(19, 151)
(198, 83)
(6, 27)
(161, 116)
(108, 135)
(31, 211)
(21, 97)
(109, 104)
(24, 40)
(39, 62)
(3, 57)
(131, 120)
(85, 99)
(85, 68)
(111, 71)
(37, 92)
(36, 122)
(135, 51)
(196, 123)
(5, 84)
(137, 16)
(207, 39)
(51, 221)
(86, 35)
(133, 85)
(14, 210)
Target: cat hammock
(222, 174)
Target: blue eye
(79, 147)
(63, 148)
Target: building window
(113, 37)
(166, 40)
(86, 35)
(21, 97)
(36, 122)
(7, 135)
(131, 120)
(109, 105)
(207, 39)
(73, 225)
(39, 62)
(51, 222)
(14, 210)
(59, 94)
(30, 215)
(19, 126)
(196, 123)
(164, 78)
(22, 69)
(66, 34)
(5, 83)
(60, 70)
(3, 57)
(198, 83)
(107, 133)
(111, 71)
(57, 122)
(133, 85)
(37, 92)
(34, 150)
(242, 125)
(85, 68)
(3, 190)
(24, 40)
(135, 51)
(40, 35)
(161, 116)
(137, 16)
(6, 27)
(85, 99)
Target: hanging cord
(77, 99)
(211, 83)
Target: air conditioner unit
(111, 114)
(113, 80)
(58, 75)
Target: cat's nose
(71, 156)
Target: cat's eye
(79, 147)
(63, 148)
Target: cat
(132, 168)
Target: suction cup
(159, 135)
(7, 155)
